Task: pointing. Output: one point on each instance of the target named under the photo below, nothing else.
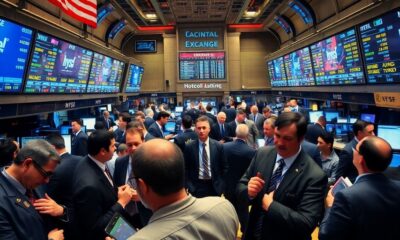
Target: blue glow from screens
(337, 61)
(329, 127)
(117, 29)
(24, 140)
(178, 109)
(298, 68)
(330, 116)
(64, 130)
(368, 117)
(395, 160)
(89, 123)
(284, 24)
(57, 67)
(15, 42)
(315, 115)
(103, 12)
(276, 69)
(170, 127)
(146, 46)
(105, 75)
(391, 134)
(302, 10)
(381, 49)
(134, 80)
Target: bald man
(176, 215)
(370, 208)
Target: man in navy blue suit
(79, 139)
(238, 155)
(370, 208)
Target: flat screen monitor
(170, 127)
(337, 61)
(395, 160)
(89, 123)
(352, 120)
(201, 65)
(343, 129)
(331, 116)
(314, 115)
(391, 134)
(64, 130)
(381, 49)
(134, 79)
(179, 109)
(298, 68)
(277, 73)
(105, 75)
(145, 46)
(368, 117)
(57, 66)
(24, 140)
(15, 43)
(342, 120)
(330, 127)
(67, 141)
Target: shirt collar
(98, 163)
(360, 176)
(14, 181)
(207, 142)
(289, 160)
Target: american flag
(82, 10)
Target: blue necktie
(222, 130)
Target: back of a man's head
(187, 121)
(159, 163)
(376, 152)
(56, 140)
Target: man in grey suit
(205, 163)
(370, 208)
(258, 119)
(284, 185)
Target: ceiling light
(151, 16)
(250, 14)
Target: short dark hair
(78, 121)
(374, 158)
(209, 107)
(140, 114)
(203, 119)
(136, 124)
(240, 111)
(187, 121)
(7, 149)
(328, 138)
(288, 118)
(56, 140)
(359, 125)
(165, 175)
(162, 114)
(126, 117)
(39, 150)
(99, 139)
(99, 125)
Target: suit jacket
(313, 151)
(393, 173)
(219, 166)
(253, 132)
(230, 114)
(148, 121)
(259, 123)
(148, 137)
(79, 144)
(216, 134)
(298, 201)
(119, 136)
(313, 132)
(369, 209)
(345, 166)
(155, 130)
(185, 137)
(95, 200)
(60, 189)
(212, 118)
(18, 218)
(107, 122)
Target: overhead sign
(387, 99)
(194, 39)
(202, 85)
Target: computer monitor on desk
(391, 133)
(314, 115)
(395, 160)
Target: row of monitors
(339, 60)
(334, 117)
(47, 64)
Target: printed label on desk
(387, 99)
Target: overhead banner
(200, 39)
(387, 99)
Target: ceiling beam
(244, 8)
(158, 11)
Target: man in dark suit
(210, 115)
(258, 119)
(60, 185)
(230, 113)
(205, 174)
(294, 107)
(193, 112)
(79, 139)
(313, 151)
(221, 131)
(148, 120)
(187, 135)
(106, 120)
(19, 218)
(140, 126)
(284, 185)
(345, 167)
(315, 130)
(138, 214)
(123, 120)
(156, 129)
(370, 208)
(238, 155)
(253, 132)
(96, 198)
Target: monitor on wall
(15, 44)
(298, 68)
(105, 74)
(57, 66)
(201, 65)
(276, 69)
(381, 50)
(337, 61)
(134, 78)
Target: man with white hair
(221, 131)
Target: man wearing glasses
(21, 205)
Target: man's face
(268, 130)
(111, 149)
(368, 131)
(106, 114)
(221, 118)
(202, 130)
(286, 141)
(292, 103)
(322, 145)
(267, 114)
(140, 119)
(164, 120)
(133, 141)
(75, 127)
(254, 110)
(35, 175)
(240, 118)
(121, 123)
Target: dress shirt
(207, 142)
(288, 162)
(161, 129)
(330, 163)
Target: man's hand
(124, 195)
(255, 185)
(48, 206)
(56, 234)
(267, 200)
(329, 199)
(135, 195)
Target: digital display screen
(117, 28)
(277, 72)
(57, 67)
(331, 116)
(337, 61)
(298, 68)
(15, 42)
(368, 117)
(315, 115)
(134, 79)
(302, 10)
(201, 65)
(103, 12)
(391, 134)
(283, 23)
(144, 46)
(105, 75)
(381, 49)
